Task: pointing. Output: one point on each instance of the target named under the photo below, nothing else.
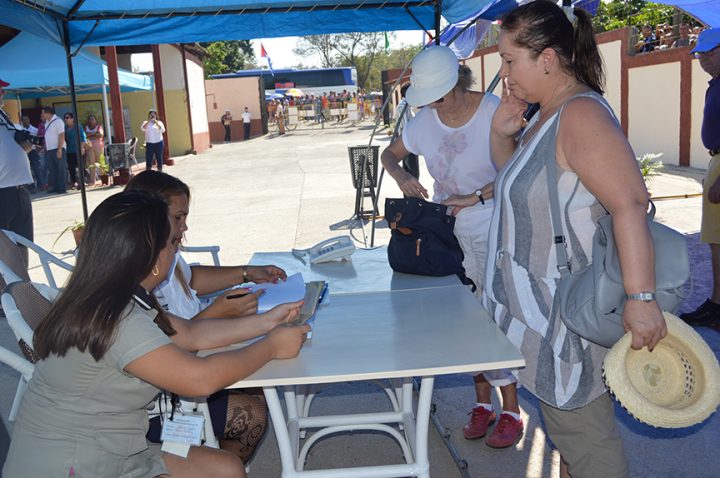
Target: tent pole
(73, 100)
(106, 110)
(438, 11)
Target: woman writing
(239, 419)
(107, 348)
(154, 129)
(546, 60)
(452, 133)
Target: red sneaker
(507, 432)
(480, 420)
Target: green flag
(387, 44)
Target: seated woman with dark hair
(239, 417)
(107, 348)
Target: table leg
(287, 458)
(421, 431)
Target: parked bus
(311, 81)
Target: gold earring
(155, 271)
(547, 72)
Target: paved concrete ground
(275, 193)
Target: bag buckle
(562, 268)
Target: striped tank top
(563, 369)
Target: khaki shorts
(588, 439)
(710, 228)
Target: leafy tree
(322, 45)
(228, 56)
(620, 13)
(358, 50)
(396, 58)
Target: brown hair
(542, 24)
(167, 186)
(121, 244)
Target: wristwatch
(641, 296)
(478, 193)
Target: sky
(280, 51)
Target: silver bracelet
(644, 296)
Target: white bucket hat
(434, 74)
(674, 386)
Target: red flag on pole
(263, 54)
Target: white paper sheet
(291, 290)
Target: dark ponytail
(586, 56)
(542, 24)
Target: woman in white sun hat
(452, 133)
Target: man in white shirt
(247, 119)
(36, 165)
(15, 205)
(55, 159)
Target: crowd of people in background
(55, 159)
(665, 36)
(369, 104)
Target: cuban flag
(263, 54)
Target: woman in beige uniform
(107, 348)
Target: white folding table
(396, 332)
(366, 271)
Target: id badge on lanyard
(181, 430)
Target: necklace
(460, 117)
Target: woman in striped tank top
(550, 57)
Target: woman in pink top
(95, 135)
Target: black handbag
(422, 239)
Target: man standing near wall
(15, 176)
(55, 159)
(707, 50)
(247, 121)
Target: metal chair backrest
(132, 146)
(46, 258)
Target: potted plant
(77, 229)
(650, 167)
(104, 169)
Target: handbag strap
(563, 263)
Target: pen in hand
(237, 296)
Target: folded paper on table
(291, 290)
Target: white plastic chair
(46, 258)
(23, 331)
(214, 251)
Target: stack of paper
(291, 290)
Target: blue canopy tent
(36, 67)
(77, 23)
(108, 22)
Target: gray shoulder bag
(592, 299)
